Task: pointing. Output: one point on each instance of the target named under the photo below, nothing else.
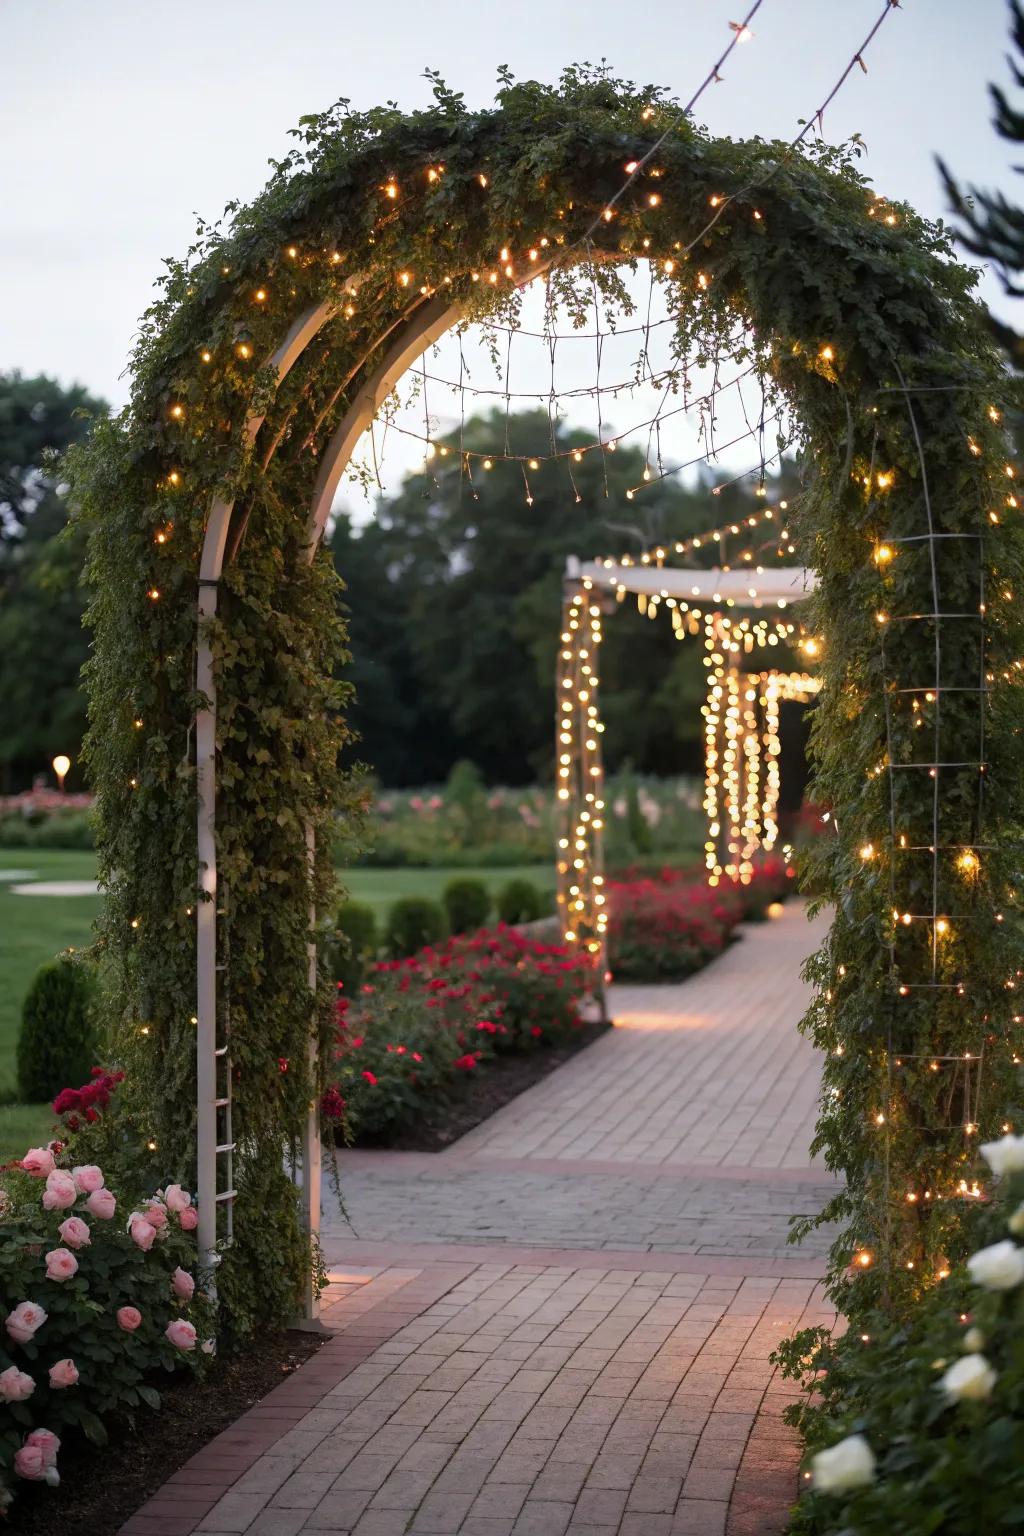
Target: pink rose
(141, 1232)
(61, 1264)
(101, 1204)
(181, 1334)
(183, 1284)
(88, 1179)
(75, 1232)
(38, 1161)
(15, 1386)
(60, 1191)
(155, 1213)
(63, 1374)
(176, 1198)
(189, 1218)
(37, 1459)
(128, 1318)
(23, 1322)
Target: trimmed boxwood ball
(413, 922)
(57, 1043)
(520, 901)
(355, 948)
(467, 903)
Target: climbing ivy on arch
(860, 322)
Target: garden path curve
(561, 1325)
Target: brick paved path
(561, 1326)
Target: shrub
(356, 947)
(520, 901)
(414, 921)
(57, 1043)
(468, 904)
(68, 829)
(663, 932)
(942, 1462)
(92, 1308)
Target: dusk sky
(119, 119)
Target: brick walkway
(561, 1326)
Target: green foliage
(72, 829)
(637, 830)
(865, 327)
(992, 227)
(42, 644)
(414, 921)
(426, 653)
(953, 1468)
(57, 1043)
(356, 948)
(467, 903)
(520, 901)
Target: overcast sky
(118, 118)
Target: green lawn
(35, 928)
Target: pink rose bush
(63, 1374)
(102, 1205)
(74, 1232)
(38, 1162)
(96, 1305)
(36, 1461)
(61, 1264)
(15, 1385)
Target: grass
(35, 928)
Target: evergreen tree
(991, 226)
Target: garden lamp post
(61, 765)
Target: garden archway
(257, 370)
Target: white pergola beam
(743, 589)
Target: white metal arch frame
(425, 322)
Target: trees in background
(42, 643)
(454, 592)
(991, 226)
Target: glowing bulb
(260, 295)
(826, 354)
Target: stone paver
(561, 1327)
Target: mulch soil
(102, 1485)
(477, 1096)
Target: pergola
(738, 612)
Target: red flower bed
(666, 928)
(423, 1023)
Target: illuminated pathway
(562, 1324)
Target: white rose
(1005, 1155)
(971, 1378)
(1016, 1221)
(974, 1340)
(999, 1267)
(850, 1464)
